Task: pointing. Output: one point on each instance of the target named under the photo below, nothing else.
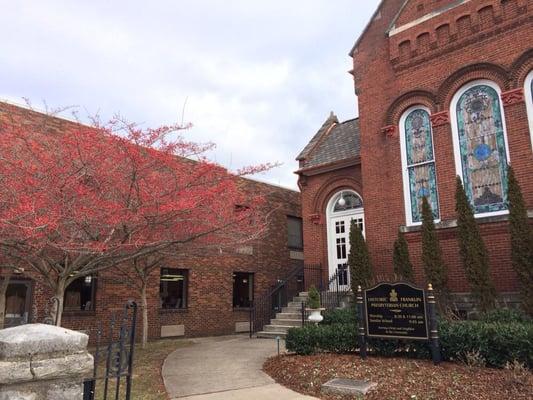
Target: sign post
(434, 333)
(361, 323)
(398, 311)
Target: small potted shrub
(313, 305)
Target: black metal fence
(265, 307)
(332, 292)
(114, 359)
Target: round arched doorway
(343, 207)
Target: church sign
(396, 311)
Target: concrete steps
(289, 317)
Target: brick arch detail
(461, 77)
(321, 198)
(521, 68)
(409, 99)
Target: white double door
(339, 245)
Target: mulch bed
(400, 379)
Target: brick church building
(444, 89)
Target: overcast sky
(258, 78)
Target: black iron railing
(333, 294)
(115, 359)
(333, 291)
(265, 306)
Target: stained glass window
(528, 90)
(482, 148)
(420, 159)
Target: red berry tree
(77, 199)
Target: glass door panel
(17, 303)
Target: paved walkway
(224, 368)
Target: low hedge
(504, 315)
(335, 338)
(498, 343)
(340, 316)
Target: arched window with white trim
(480, 146)
(418, 164)
(528, 91)
(343, 208)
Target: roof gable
(332, 119)
(334, 142)
(376, 16)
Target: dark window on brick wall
(80, 294)
(173, 288)
(294, 227)
(243, 289)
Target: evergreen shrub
(521, 241)
(400, 259)
(313, 298)
(504, 315)
(474, 255)
(341, 316)
(497, 342)
(359, 258)
(434, 266)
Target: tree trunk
(3, 291)
(56, 311)
(144, 307)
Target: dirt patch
(400, 379)
(147, 380)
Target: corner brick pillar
(43, 362)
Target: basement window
(80, 294)
(243, 289)
(173, 285)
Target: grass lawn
(147, 379)
(401, 379)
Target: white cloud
(258, 78)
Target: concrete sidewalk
(224, 368)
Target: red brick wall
(316, 192)
(389, 80)
(210, 290)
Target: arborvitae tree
(359, 258)
(473, 251)
(313, 298)
(521, 241)
(434, 266)
(400, 258)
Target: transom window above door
(347, 201)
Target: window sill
(173, 310)
(452, 223)
(237, 309)
(79, 313)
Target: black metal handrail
(265, 307)
(332, 293)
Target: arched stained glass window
(420, 178)
(529, 102)
(481, 147)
